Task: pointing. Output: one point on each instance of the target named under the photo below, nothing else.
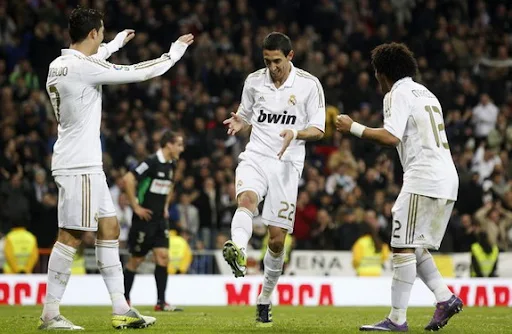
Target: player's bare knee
(108, 228)
(134, 263)
(276, 239)
(71, 238)
(248, 200)
(162, 260)
(276, 245)
(162, 257)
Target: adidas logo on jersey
(420, 237)
(283, 118)
(261, 99)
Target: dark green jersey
(154, 176)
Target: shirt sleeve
(396, 114)
(315, 107)
(95, 71)
(143, 169)
(245, 107)
(106, 50)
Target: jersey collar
(289, 81)
(71, 52)
(160, 156)
(400, 82)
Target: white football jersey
(74, 86)
(298, 104)
(414, 115)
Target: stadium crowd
(463, 50)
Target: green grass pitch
(240, 319)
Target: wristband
(357, 129)
(295, 133)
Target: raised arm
(396, 114)
(99, 72)
(107, 49)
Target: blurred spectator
(15, 197)
(495, 221)
(7, 27)
(20, 250)
(484, 257)
(485, 115)
(202, 264)
(189, 215)
(369, 252)
(180, 254)
(464, 232)
(207, 204)
(348, 230)
(305, 216)
(23, 77)
(484, 162)
(470, 196)
(322, 231)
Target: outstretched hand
(179, 47)
(235, 124)
(187, 39)
(130, 34)
(287, 135)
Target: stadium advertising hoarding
(225, 290)
(336, 263)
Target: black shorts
(146, 235)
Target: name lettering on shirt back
(58, 71)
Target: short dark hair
(168, 137)
(82, 21)
(394, 60)
(278, 41)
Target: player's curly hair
(277, 41)
(394, 60)
(82, 21)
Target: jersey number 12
(436, 127)
(55, 101)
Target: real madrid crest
(239, 183)
(292, 100)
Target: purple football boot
(444, 311)
(385, 325)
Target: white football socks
(241, 228)
(430, 275)
(107, 256)
(404, 266)
(59, 271)
(273, 268)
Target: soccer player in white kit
(74, 86)
(285, 107)
(413, 123)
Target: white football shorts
(419, 221)
(83, 199)
(275, 181)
